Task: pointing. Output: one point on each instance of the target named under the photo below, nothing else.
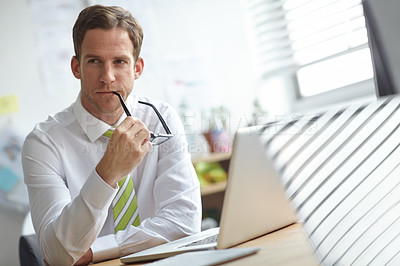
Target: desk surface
(288, 246)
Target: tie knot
(109, 132)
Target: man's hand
(126, 149)
(85, 259)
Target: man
(74, 172)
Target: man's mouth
(106, 92)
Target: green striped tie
(125, 210)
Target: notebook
(206, 257)
(254, 203)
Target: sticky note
(9, 104)
(8, 179)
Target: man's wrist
(105, 248)
(85, 259)
(98, 192)
(104, 176)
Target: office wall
(19, 69)
(198, 53)
(19, 75)
(195, 52)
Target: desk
(288, 246)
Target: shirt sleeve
(66, 228)
(176, 193)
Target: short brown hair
(107, 17)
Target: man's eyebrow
(91, 56)
(123, 57)
(120, 57)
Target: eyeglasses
(155, 138)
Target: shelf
(213, 188)
(212, 195)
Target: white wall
(197, 52)
(201, 43)
(19, 75)
(19, 68)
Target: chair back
(29, 251)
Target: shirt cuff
(98, 192)
(105, 248)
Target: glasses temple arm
(159, 116)
(123, 104)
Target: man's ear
(75, 67)
(139, 65)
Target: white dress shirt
(70, 203)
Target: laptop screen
(255, 202)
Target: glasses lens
(158, 140)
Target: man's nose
(107, 75)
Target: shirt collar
(92, 126)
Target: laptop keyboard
(207, 240)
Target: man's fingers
(133, 127)
(132, 130)
(127, 123)
(126, 149)
(143, 133)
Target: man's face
(106, 65)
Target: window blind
(291, 34)
(273, 45)
(320, 29)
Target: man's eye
(93, 61)
(120, 61)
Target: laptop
(254, 203)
